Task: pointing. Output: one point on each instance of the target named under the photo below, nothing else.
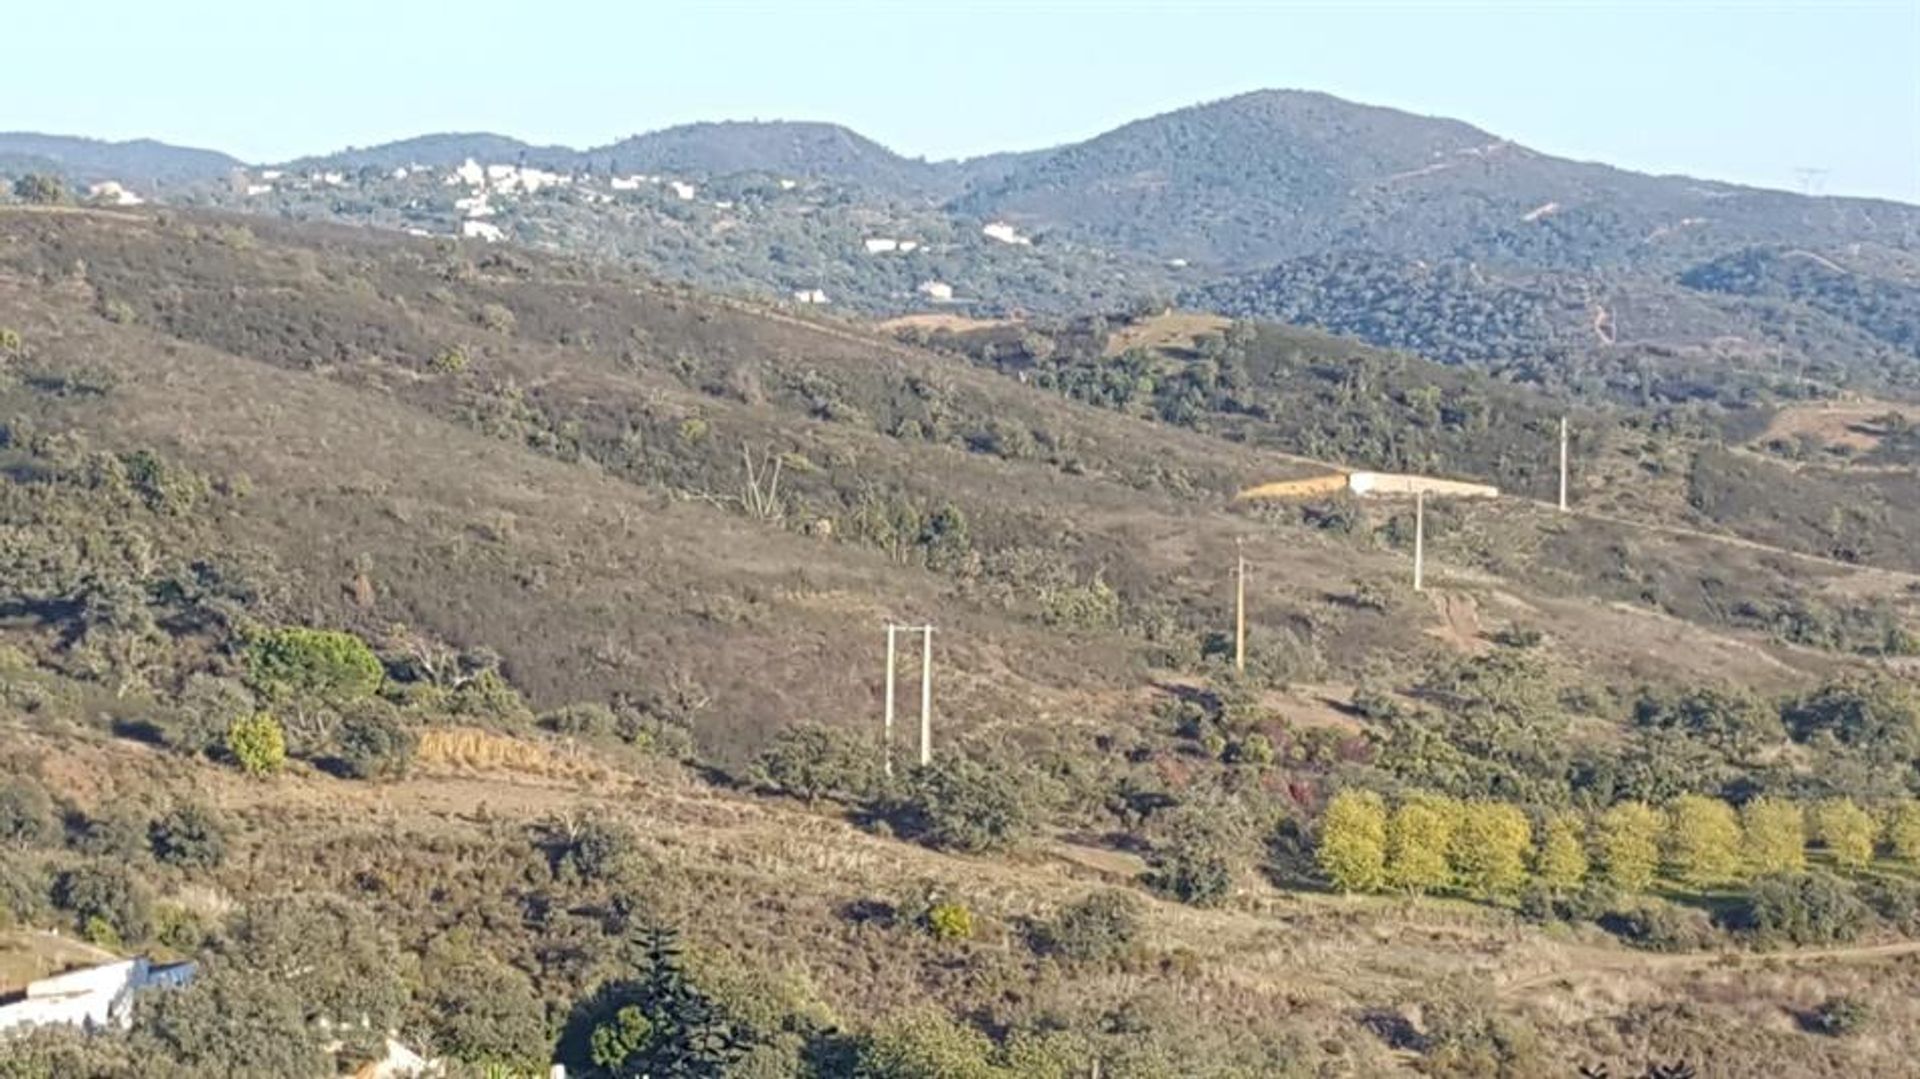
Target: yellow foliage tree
(1703, 841)
(1490, 848)
(1847, 831)
(1418, 835)
(1903, 830)
(1775, 835)
(1629, 845)
(1353, 841)
(1562, 862)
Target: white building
(271, 174)
(683, 190)
(94, 998)
(474, 206)
(937, 291)
(626, 183)
(809, 295)
(1003, 232)
(469, 173)
(112, 193)
(879, 246)
(255, 190)
(481, 230)
(789, 185)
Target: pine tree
(1562, 861)
(1703, 841)
(1629, 845)
(1847, 831)
(1418, 836)
(1490, 848)
(1353, 841)
(1775, 836)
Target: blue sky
(1750, 92)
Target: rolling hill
(616, 554)
(141, 161)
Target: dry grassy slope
(770, 883)
(301, 357)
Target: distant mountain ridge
(135, 160)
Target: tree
(1703, 841)
(1098, 929)
(1805, 908)
(339, 962)
(1353, 841)
(230, 1023)
(257, 744)
(1419, 834)
(1562, 861)
(1775, 836)
(1629, 845)
(1847, 831)
(313, 670)
(40, 188)
(927, 1045)
(1903, 830)
(1490, 848)
(656, 1024)
(480, 1009)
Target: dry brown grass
(473, 749)
(1847, 424)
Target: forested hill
(142, 161)
(1278, 174)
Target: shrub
(811, 761)
(374, 743)
(497, 318)
(950, 920)
(1097, 929)
(1660, 927)
(1804, 908)
(109, 896)
(1838, 1017)
(258, 744)
(207, 709)
(962, 803)
(1903, 831)
(926, 1045)
(228, 1023)
(1896, 899)
(597, 850)
(189, 835)
(1196, 862)
(1352, 851)
(41, 188)
(26, 813)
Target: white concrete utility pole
(1419, 540)
(926, 693)
(1563, 464)
(1240, 609)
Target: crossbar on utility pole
(926, 695)
(886, 738)
(1240, 609)
(1563, 464)
(1419, 540)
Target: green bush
(1838, 1017)
(1100, 928)
(950, 920)
(966, 804)
(313, 666)
(1661, 927)
(106, 895)
(375, 743)
(1804, 908)
(257, 744)
(27, 816)
(813, 762)
(188, 835)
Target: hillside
(1281, 174)
(563, 589)
(145, 162)
(444, 150)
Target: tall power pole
(926, 694)
(1419, 540)
(1239, 609)
(886, 738)
(1563, 464)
